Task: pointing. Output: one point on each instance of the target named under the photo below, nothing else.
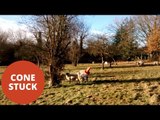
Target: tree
(153, 43)
(83, 33)
(57, 31)
(100, 46)
(125, 39)
(6, 49)
(76, 48)
(25, 49)
(74, 52)
(148, 30)
(37, 49)
(144, 25)
(3, 44)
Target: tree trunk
(77, 61)
(38, 61)
(102, 63)
(81, 46)
(150, 56)
(141, 56)
(54, 76)
(74, 63)
(110, 64)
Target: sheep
(83, 75)
(140, 63)
(71, 77)
(155, 63)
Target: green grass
(2, 69)
(124, 84)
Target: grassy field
(124, 84)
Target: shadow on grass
(128, 66)
(126, 81)
(101, 76)
(113, 81)
(113, 73)
(107, 67)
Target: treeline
(135, 37)
(19, 49)
(28, 49)
(60, 39)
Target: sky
(10, 22)
(96, 23)
(100, 23)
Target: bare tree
(3, 44)
(74, 52)
(76, 48)
(144, 26)
(83, 33)
(99, 45)
(23, 49)
(38, 49)
(3, 38)
(148, 31)
(57, 31)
